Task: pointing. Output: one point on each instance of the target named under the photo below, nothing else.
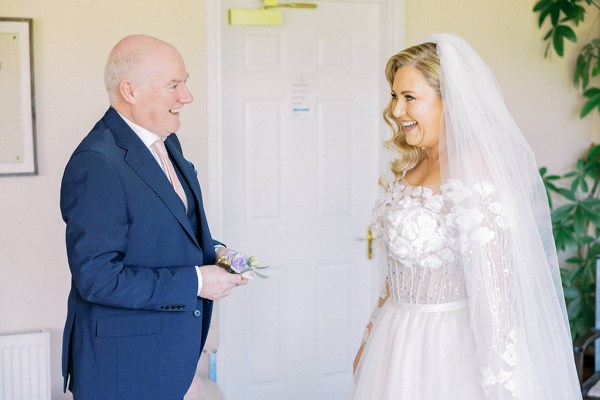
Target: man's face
(161, 93)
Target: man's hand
(222, 252)
(217, 283)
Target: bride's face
(417, 107)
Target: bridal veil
(517, 309)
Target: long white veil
(518, 312)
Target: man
(138, 243)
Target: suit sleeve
(95, 210)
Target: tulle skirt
(419, 352)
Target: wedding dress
(420, 346)
(472, 307)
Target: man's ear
(127, 92)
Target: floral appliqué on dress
(443, 242)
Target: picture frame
(17, 99)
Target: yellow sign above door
(265, 16)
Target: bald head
(128, 60)
(146, 81)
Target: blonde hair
(424, 58)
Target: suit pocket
(128, 325)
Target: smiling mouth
(408, 125)
(175, 111)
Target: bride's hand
(357, 358)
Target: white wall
(71, 42)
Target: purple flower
(238, 262)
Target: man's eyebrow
(179, 80)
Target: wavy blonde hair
(424, 58)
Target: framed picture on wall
(17, 101)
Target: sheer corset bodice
(424, 285)
(412, 224)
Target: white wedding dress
(473, 307)
(421, 345)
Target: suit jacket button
(197, 313)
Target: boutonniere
(239, 263)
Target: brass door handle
(369, 240)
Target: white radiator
(25, 365)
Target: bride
(472, 307)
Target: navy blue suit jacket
(135, 326)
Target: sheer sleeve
(478, 217)
(383, 297)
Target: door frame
(393, 12)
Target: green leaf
(568, 9)
(543, 7)
(563, 236)
(576, 273)
(574, 307)
(260, 275)
(558, 43)
(574, 260)
(591, 203)
(567, 32)
(579, 68)
(594, 153)
(586, 239)
(584, 185)
(555, 14)
(575, 185)
(594, 219)
(560, 33)
(596, 69)
(573, 12)
(562, 212)
(570, 174)
(571, 293)
(566, 193)
(539, 5)
(579, 222)
(552, 187)
(593, 101)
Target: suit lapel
(190, 177)
(145, 166)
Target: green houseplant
(563, 16)
(576, 226)
(576, 216)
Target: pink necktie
(161, 150)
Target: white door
(300, 133)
